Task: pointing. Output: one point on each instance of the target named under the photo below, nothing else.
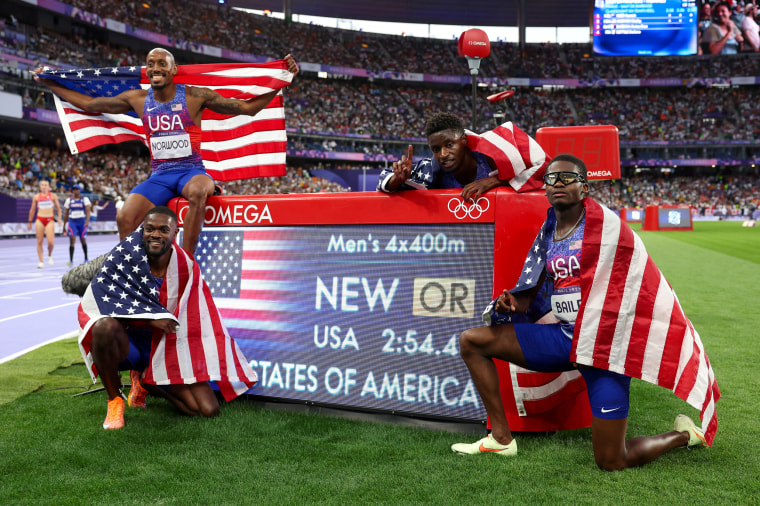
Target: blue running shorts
(76, 228)
(164, 185)
(546, 348)
(140, 339)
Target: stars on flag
(218, 255)
(125, 285)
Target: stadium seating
(335, 121)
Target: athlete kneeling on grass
(558, 257)
(149, 311)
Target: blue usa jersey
(427, 175)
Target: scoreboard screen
(639, 28)
(674, 217)
(366, 317)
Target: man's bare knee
(609, 464)
(209, 411)
(127, 223)
(470, 340)
(104, 331)
(198, 194)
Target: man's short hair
(567, 157)
(169, 53)
(162, 210)
(443, 121)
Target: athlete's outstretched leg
(613, 453)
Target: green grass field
(54, 451)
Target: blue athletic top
(427, 174)
(174, 139)
(77, 207)
(563, 267)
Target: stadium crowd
(108, 175)
(324, 114)
(220, 26)
(389, 110)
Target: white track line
(40, 345)
(38, 311)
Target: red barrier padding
(357, 299)
(597, 145)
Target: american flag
(630, 320)
(200, 350)
(539, 392)
(233, 147)
(256, 279)
(536, 392)
(519, 158)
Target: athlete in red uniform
(45, 203)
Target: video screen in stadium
(674, 217)
(356, 317)
(643, 28)
(634, 215)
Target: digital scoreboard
(674, 218)
(357, 300)
(668, 217)
(368, 317)
(632, 215)
(640, 28)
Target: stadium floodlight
(474, 45)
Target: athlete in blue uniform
(171, 116)
(547, 347)
(76, 219)
(454, 165)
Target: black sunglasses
(566, 178)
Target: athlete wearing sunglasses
(557, 256)
(566, 178)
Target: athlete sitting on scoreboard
(505, 156)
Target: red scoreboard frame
(513, 220)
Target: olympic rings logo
(474, 210)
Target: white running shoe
(40, 265)
(50, 260)
(486, 445)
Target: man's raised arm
(402, 171)
(119, 104)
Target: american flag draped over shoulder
(519, 158)
(536, 392)
(200, 350)
(233, 147)
(630, 320)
